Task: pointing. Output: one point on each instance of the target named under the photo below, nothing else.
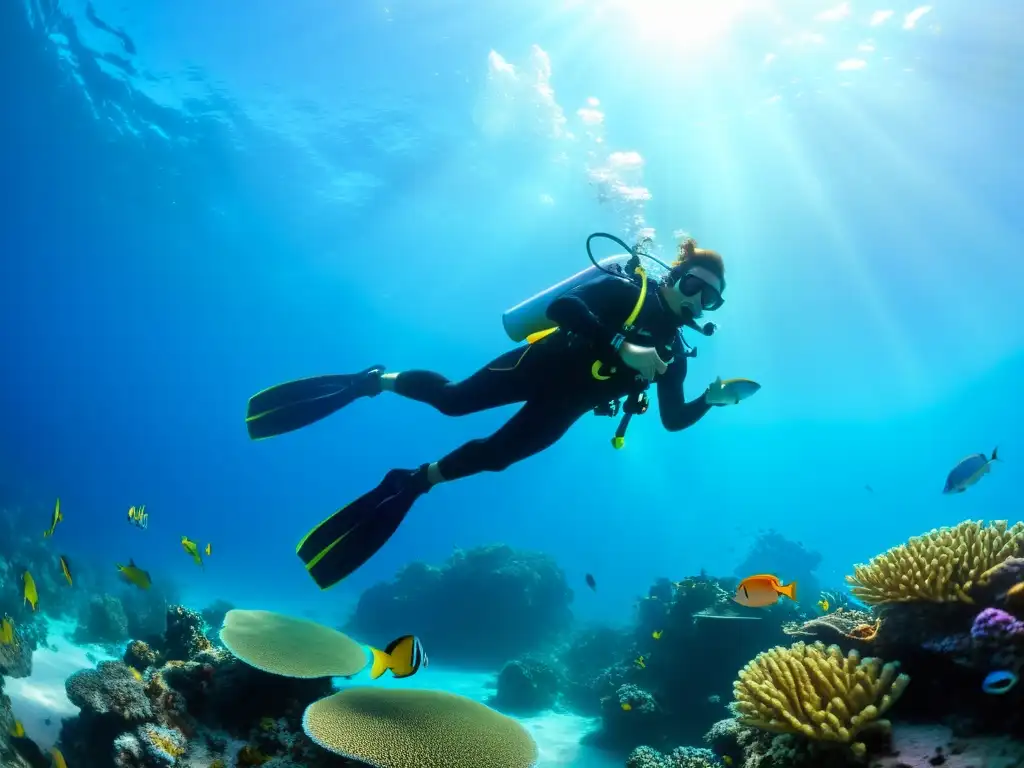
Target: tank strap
(628, 325)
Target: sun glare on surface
(686, 22)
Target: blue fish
(969, 471)
(1000, 681)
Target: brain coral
(940, 566)
(403, 728)
(817, 692)
(283, 645)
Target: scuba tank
(530, 316)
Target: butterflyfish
(763, 590)
(403, 656)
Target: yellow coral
(817, 692)
(167, 744)
(940, 566)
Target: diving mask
(698, 280)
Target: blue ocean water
(203, 202)
(205, 199)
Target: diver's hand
(643, 360)
(716, 394)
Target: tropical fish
(57, 517)
(656, 634)
(135, 673)
(823, 605)
(135, 575)
(998, 682)
(7, 631)
(591, 583)
(58, 758)
(190, 547)
(969, 471)
(403, 657)
(138, 516)
(626, 706)
(640, 662)
(66, 569)
(208, 550)
(18, 730)
(739, 389)
(763, 590)
(726, 759)
(31, 595)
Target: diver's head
(696, 282)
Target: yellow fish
(403, 657)
(190, 547)
(209, 550)
(31, 596)
(58, 758)
(18, 730)
(136, 674)
(7, 631)
(823, 605)
(135, 575)
(138, 516)
(57, 517)
(640, 662)
(726, 759)
(656, 634)
(763, 590)
(626, 706)
(66, 568)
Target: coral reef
(102, 620)
(679, 627)
(483, 607)
(184, 637)
(681, 757)
(526, 686)
(817, 692)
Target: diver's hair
(689, 255)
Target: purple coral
(1000, 638)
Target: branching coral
(400, 728)
(940, 566)
(817, 692)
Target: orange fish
(763, 590)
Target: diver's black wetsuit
(554, 378)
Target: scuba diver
(594, 340)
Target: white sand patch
(39, 701)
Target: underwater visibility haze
(204, 201)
